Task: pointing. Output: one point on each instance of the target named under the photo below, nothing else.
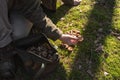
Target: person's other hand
(69, 39)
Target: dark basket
(32, 59)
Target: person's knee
(21, 26)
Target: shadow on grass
(60, 12)
(58, 74)
(88, 59)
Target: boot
(7, 65)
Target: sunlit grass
(84, 63)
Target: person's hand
(69, 39)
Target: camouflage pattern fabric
(51, 4)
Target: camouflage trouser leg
(68, 2)
(50, 4)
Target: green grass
(95, 19)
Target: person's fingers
(74, 37)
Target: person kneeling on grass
(16, 25)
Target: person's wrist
(61, 37)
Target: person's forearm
(49, 28)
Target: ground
(98, 56)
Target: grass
(98, 56)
